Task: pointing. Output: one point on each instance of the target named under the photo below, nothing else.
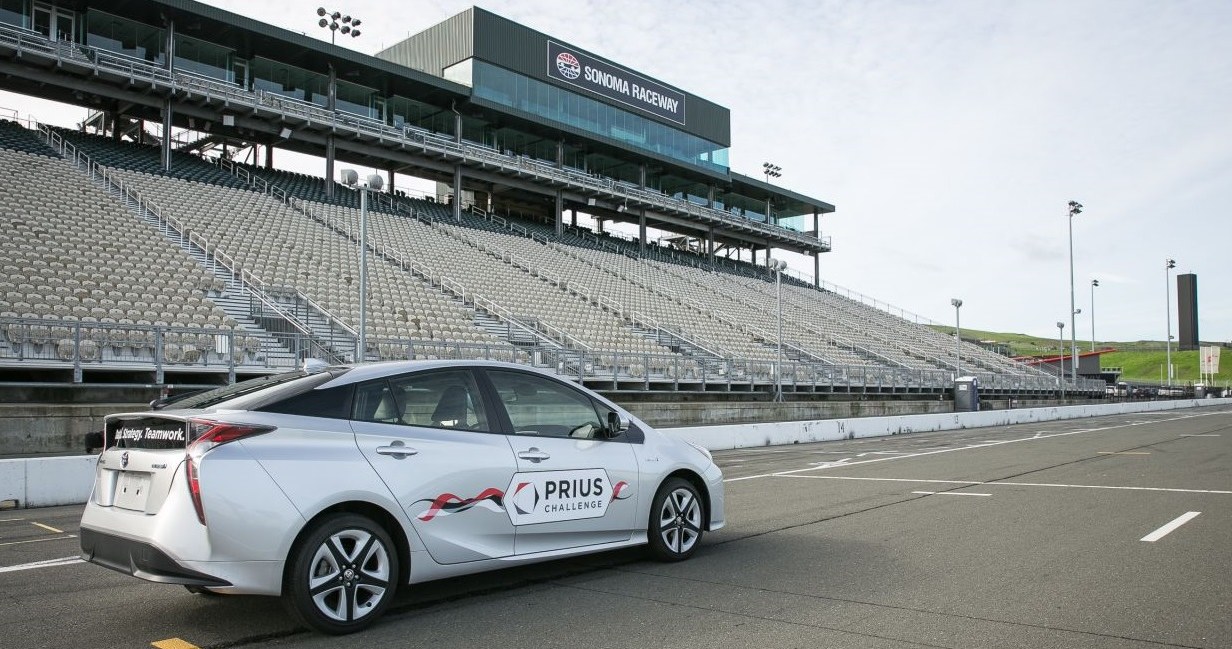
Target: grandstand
(129, 256)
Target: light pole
(778, 266)
(1073, 341)
(337, 22)
(1075, 208)
(372, 183)
(1094, 285)
(957, 338)
(1168, 266)
(1061, 367)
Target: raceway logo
(568, 65)
(554, 496)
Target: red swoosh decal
(450, 503)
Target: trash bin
(1199, 391)
(966, 394)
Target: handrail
(249, 282)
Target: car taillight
(207, 434)
(194, 489)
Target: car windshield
(257, 390)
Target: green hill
(1140, 360)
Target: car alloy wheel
(343, 575)
(675, 521)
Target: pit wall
(48, 481)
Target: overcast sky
(949, 134)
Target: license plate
(132, 490)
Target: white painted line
(949, 493)
(49, 563)
(1014, 484)
(963, 448)
(1203, 435)
(968, 447)
(1122, 453)
(48, 528)
(1168, 529)
(10, 520)
(57, 538)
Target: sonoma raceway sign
(602, 78)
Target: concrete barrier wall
(799, 432)
(48, 481)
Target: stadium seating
(432, 280)
(76, 259)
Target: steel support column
(560, 212)
(457, 192)
(166, 143)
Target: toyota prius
(332, 487)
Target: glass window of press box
(559, 105)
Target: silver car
(331, 487)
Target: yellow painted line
(174, 643)
(1124, 453)
(48, 528)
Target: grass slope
(1140, 361)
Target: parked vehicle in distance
(333, 487)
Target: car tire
(676, 525)
(342, 575)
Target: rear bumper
(140, 560)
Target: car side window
(540, 406)
(448, 399)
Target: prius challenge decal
(540, 497)
(446, 504)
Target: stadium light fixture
(957, 303)
(1075, 208)
(1169, 264)
(1061, 364)
(337, 22)
(778, 266)
(1094, 285)
(373, 182)
(771, 170)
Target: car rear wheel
(342, 575)
(675, 521)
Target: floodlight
(956, 302)
(285, 133)
(336, 15)
(354, 33)
(1060, 325)
(1171, 263)
(375, 181)
(322, 22)
(355, 23)
(349, 176)
(321, 11)
(1094, 282)
(346, 19)
(346, 29)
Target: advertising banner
(616, 83)
(1209, 360)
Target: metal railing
(132, 71)
(79, 345)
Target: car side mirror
(617, 423)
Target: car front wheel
(675, 521)
(342, 575)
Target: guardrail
(101, 345)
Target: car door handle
(534, 455)
(397, 450)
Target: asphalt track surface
(1063, 534)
